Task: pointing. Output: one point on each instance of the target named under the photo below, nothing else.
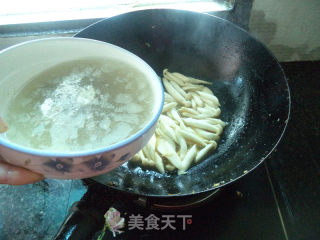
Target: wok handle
(80, 224)
(86, 217)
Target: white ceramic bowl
(21, 62)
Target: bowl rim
(97, 151)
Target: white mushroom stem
(197, 99)
(168, 131)
(188, 159)
(180, 76)
(136, 158)
(207, 90)
(168, 106)
(192, 137)
(199, 116)
(198, 81)
(209, 98)
(207, 135)
(159, 132)
(203, 125)
(175, 94)
(192, 87)
(179, 90)
(170, 77)
(170, 167)
(168, 98)
(193, 104)
(141, 155)
(151, 148)
(182, 144)
(146, 153)
(209, 111)
(147, 162)
(159, 163)
(204, 151)
(165, 119)
(188, 110)
(175, 115)
(166, 150)
(216, 121)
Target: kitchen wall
(289, 28)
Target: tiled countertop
(35, 211)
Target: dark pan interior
(246, 78)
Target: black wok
(245, 76)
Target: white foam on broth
(80, 105)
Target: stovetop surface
(279, 200)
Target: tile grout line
(277, 203)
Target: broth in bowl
(80, 105)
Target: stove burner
(177, 203)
